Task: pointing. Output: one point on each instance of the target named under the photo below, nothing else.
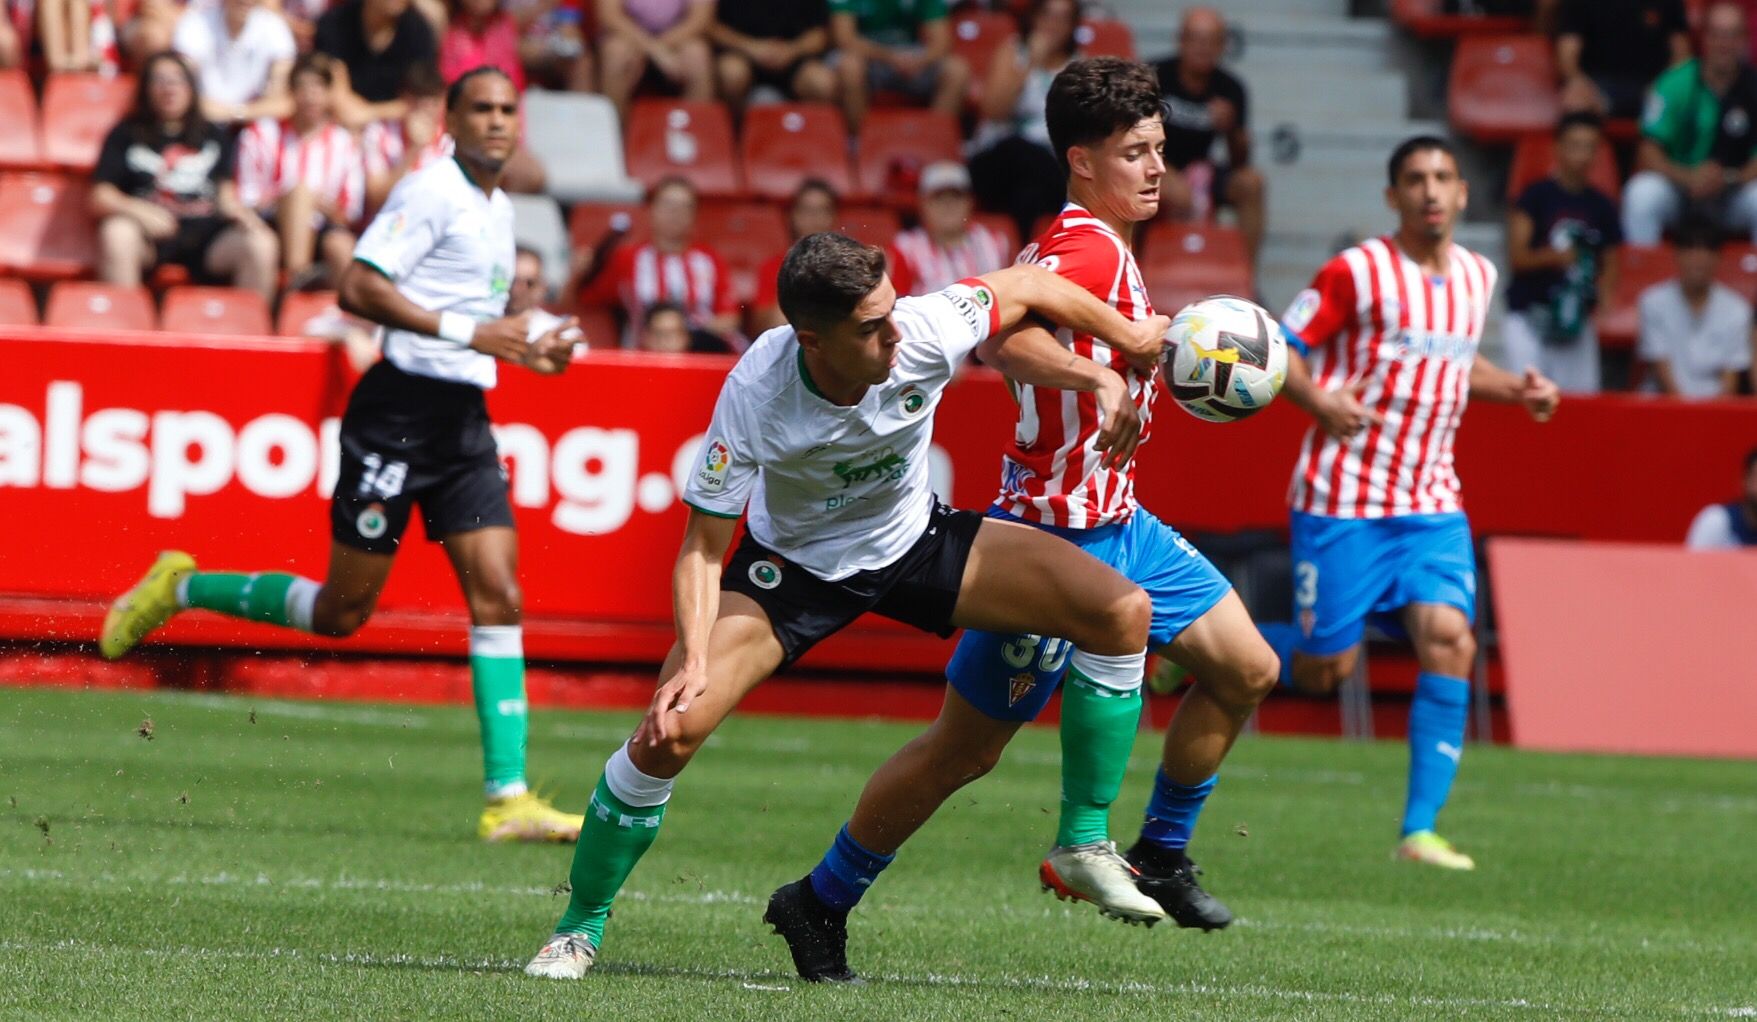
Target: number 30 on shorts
(1020, 652)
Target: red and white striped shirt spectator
(385, 142)
(924, 266)
(1372, 316)
(640, 276)
(273, 158)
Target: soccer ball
(1225, 358)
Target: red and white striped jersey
(384, 145)
(273, 158)
(1372, 314)
(923, 267)
(1050, 473)
(640, 276)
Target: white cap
(944, 176)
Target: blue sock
(1436, 741)
(1172, 811)
(1281, 636)
(846, 871)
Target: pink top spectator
(497, 45)
(658, 15)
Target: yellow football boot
(1429, 848)
(528, 817)
(148, 605)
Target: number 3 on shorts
(1305, 585)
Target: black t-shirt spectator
(181, 175)
(1588, 218)
(1624, 38)
(377, 77)
(773, 19)
(1189, 124)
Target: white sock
(634, 788)
(301, 599)
(183, 592)
(505, 789)
(1119, 674)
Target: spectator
(665, 330)
(481, 34)
(1013, 166)
(1205, 104)
(15, 32)
(529, 293)
(947, 247)
(64, 29)
(671, 266)
(243, 54)
(1698, 144)
(900, 46)
(306, 174)
(552, 43)
(1562, 238)
(814, 208)
(1695, 331)
(775, 43)
(376, 42)
(163, 193)
(302, 18)
(150, 30)
(397, 148)
(665, 41)
(1732, 525)
(1607, 51)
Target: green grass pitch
(259, 859)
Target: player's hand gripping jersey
(1051, 473)
(1372, 315)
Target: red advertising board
(114, 447)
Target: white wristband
(457, 328)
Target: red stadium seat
(19, 146)
(1535, 157)
(871, 225)
(785, 143)
(1427, 19)
(78, 111)
(46, 232)
(1639, 268)
(1503, 87)
(1105, 37)
(590, 222)
(215, 310)
(745, 234)
(895, 144)
(18, 307)
(977, 37)
(86, 305)
(693, 140)
(301, 307)
(1738, 269)
(1005, 225)
(1187, 262)
(599, 326)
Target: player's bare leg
(1445, 646)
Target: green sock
(1098, 733)
(272, 597)
(613, 839)
(497, 675)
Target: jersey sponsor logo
(1014, 476)
(371, 523)
(1413, 345)
(887, 463)
(1303, 310)
(765, 574)
(499, 282)
(716, 461)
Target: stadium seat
(1187, 262)
(215, 310)
(78, 111)
(301, 307)
(46, 232)
(895, 144)
(18, 307)
(87, 305)
(871, 225)
(1639, 268)
(1004, 224)
(693, 140)
(1535, 157)
(589, 222)
(579, 142)
(1105, 37)
(746, 234)
(19, 146)
(1502, 87)
(1427, 19)
(977, 37)
(1738, 269)
(785, 143)
(537, 224)
(599, 326)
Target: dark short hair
(657, 309)
(1697, 232)
(314, 63)
(455, 94)
(1093, 99)
(814, 184)
(824, 276)
(672, 181)
(422, 80)
(1579, 119)
(520, 251)
(1409, 147)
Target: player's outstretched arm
(1031, 355)
(369, 294)
(1027, 289)
(695, 603)
(1534, 390)
(1337, 412)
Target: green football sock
(497, 676)
(613, 839)
(1098, 733)
(271, 597)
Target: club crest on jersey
(765, 574)
(1020, 686)
(912, 400)
(983, 297)
(371, 522)
(716, 459)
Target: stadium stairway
(1330, 98)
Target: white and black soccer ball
(1225, 358)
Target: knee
(954, 73)
(500, 602)
(1448, 645)
(1122, 628)
(816, 83)
(341, 620)
(1322, 675)
(734, 73)
(852, 69)
(119, 236)
(696, 56)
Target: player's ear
(1080, 161)
(808, 339)
(1463, 195)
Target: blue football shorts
(1351, 571)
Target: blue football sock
(845, 872)
(1172, 811)
(1436, 742)
(1281, 636)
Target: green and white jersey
(835, 489)
(448, 248)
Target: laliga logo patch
(1020, 686)
(371, 523)
(1304, 308)
(765, 574)
(716, 459)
